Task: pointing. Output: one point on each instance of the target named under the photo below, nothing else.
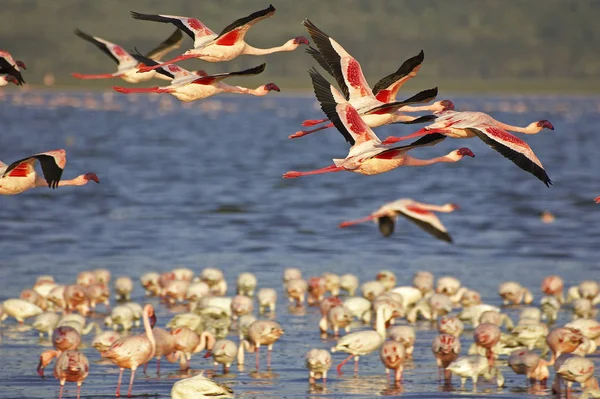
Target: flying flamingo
(225, 46)
(72, 366)
(6, 79)
(127, 64)
(20, 175)
(367, 156)
(133, 351)
(349, 76)
(187, 86)
(461, 125)
(417, 212)
(11, 67)
(597, 200)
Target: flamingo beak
(545, 124)
(40, 368)
(301, 40)
(152, 320)
(21, 64)
(12, 79)
(91, 176)
(448, 105)
(465, 151)
(271, 86)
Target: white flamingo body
(21, 309)
(224, 352)
(21, 176)
(199, 387)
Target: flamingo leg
(95, 76)
(312, 122)
(447, 376)
(356, 365)
(302, 133)
(118, 392)
(331, 168)
(158, 365)
(78, 390)
(257, 357)
(399, 375)
(269, 350)
(420, 132)
(339, 367)
(62, 387)
(131, 382)
(146, 68)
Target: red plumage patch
(118, 50)
(418, 210)
(353, 74)
(204, 81)
(194, 24)
(388, 154)
(383, 96)
(504, 136)
(354, 121)
(19, 171)
(230, 38)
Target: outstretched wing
(426, 220)
(170, 44)
(387, 88)
(10, 67)
(52, 163)
(194, 28)
(210, 79)
(513, 148)
(343, 115)
(313, 52)
(114, 51)
(150, 62)
(236, 31)
(424, 96)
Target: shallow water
(200, 185)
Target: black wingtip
(421, 55)
(135, 15)
(271, 8)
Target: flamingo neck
(249, 50)
(411, 161)
(207, 341)
(361, 220)
(78, 181)
(530, 129)
(408, 108)
(149, 335)
(380, 322)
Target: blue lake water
(200, 185)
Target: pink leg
(78, 391)
(118, 392)
(146, 68)
(131, 383)
(302, 133)
(339, 367)
(158, 365)
(145, 367)
(269, 357)
(257, 357)
(98, 76)
(312, 122)
(356, 365)
(60, 393)
(331, 168)
(447, 376)
(387, 373)
(399, 375)
(490, 356)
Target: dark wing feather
(313, 52)
(160, 18)
(386, 225)
(6, 67)
(407, 67)
(420, 119)
(171, 43)
(429, 228)
(425, 141)
(96, 43)
(329, 54)
(516, 157)
(220, 76)
(52, 173)
(323, 92)
(421, 97)
(247, 20)
(150, 62)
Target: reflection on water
(200, 185)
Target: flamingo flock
(378, 322)
(354, 108)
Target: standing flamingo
(20, 175)
(393, 354)
(133, 351)
(187, 86)
(11, 67)
(445, 348)
(419, 213)
(264, 332)
(348, 74)
(367, 156)
(127, 64)
(492, 132)
(227, 45)
(72, 366)
(487, 335)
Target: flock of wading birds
(353, 109)
(60, 311)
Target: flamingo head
(544, 124)
(152, 317)
(271, 87)
(454, 207)
(447, 105)
(91, 176)
(300, 40)
(465, 151)
(11, 79)
(21, 64)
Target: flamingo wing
(114, 51)
(424, 96)
(236, 31)
(513, 148)
(425, 141)
(387, 88)
(168, 45)
(51, 162)
(8, 66)
(426, 220)
(345, 69)
(194, 28)
(313, 52)
(150, 62)
(210, 79)
(343, 115)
